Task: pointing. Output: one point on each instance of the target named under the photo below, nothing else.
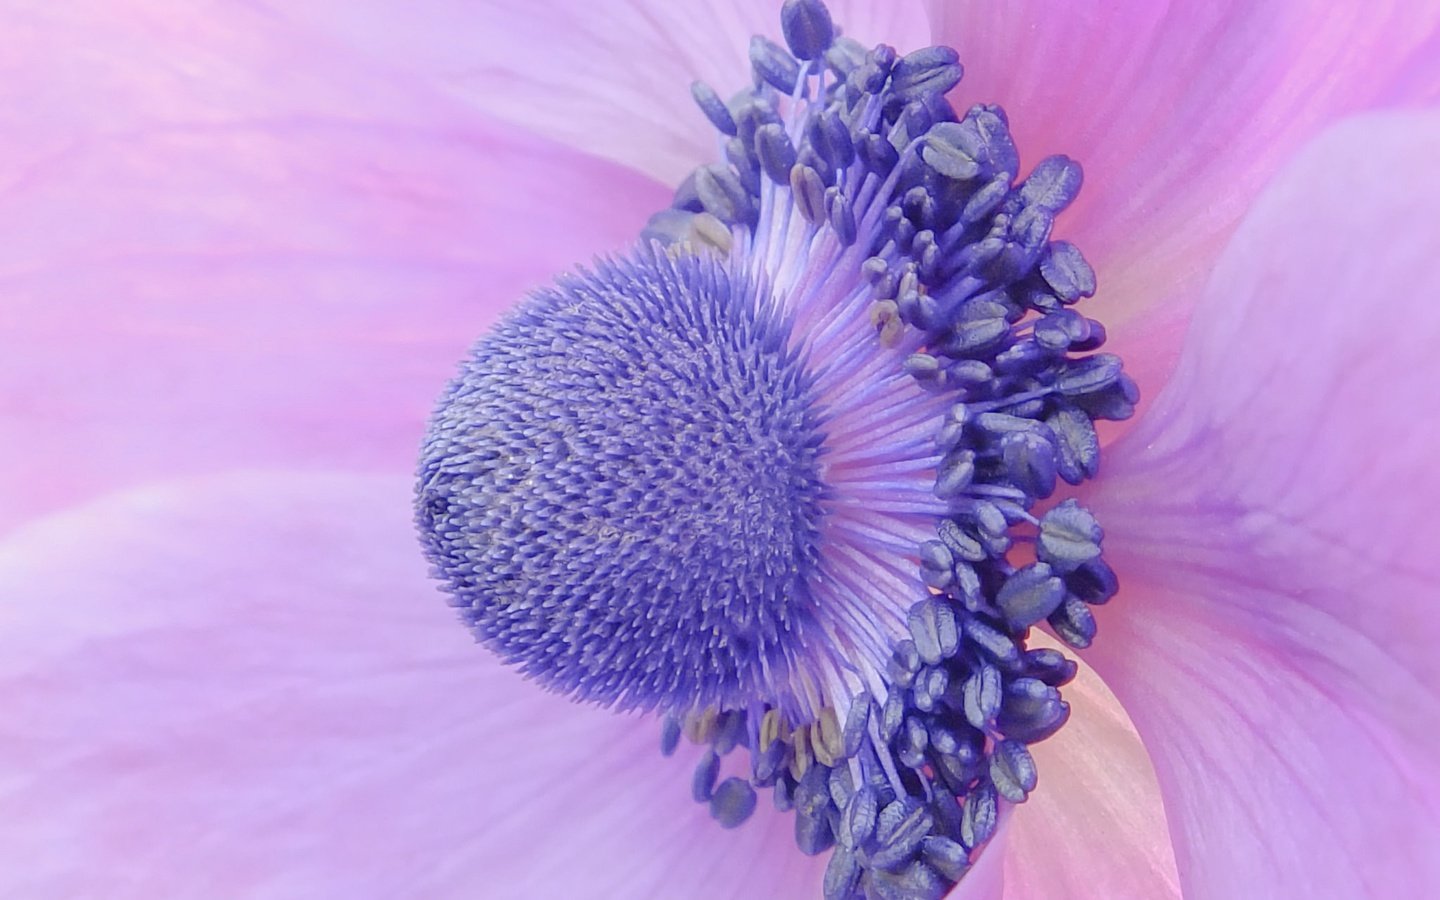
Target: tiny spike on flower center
(770, 474)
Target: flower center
(783, 473)
(623, 493)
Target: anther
(723, 195)
(840, 215)
(807, 27)
(1012, 771)
(1053, 184)
(901, 832)
(776, 152)
(773, 65)
(809, 193)
(1069, 537)
(842, 875)
(980, 816)
(1074, 623)
(703, 783)
(1030, 594)
(713, 107)
(982, 696)
(732, 802)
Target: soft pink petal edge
(1275, 638)
(209, 266)
(613, 78)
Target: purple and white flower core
(781, 473)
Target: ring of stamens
(846, 165)
(954, 386)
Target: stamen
(956, 264)
(714, 108)
(807, 26)
(733, 802)
(765, 475)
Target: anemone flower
(244, 247)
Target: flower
(222, 672)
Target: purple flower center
(780, 472)
(623, 489)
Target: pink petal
(1272, 518)
(1096, 825)
(208, 264)
(1180, 113)
(613, 77)
(244, 686)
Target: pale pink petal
(1272, 519)
(612, 77)
(245, 686)
(1096, 825)
(1180, 113)
(207, 263)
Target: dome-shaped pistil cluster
(622, 490)
(782, 475)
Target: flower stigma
(779, 473)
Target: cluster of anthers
(779, 473)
